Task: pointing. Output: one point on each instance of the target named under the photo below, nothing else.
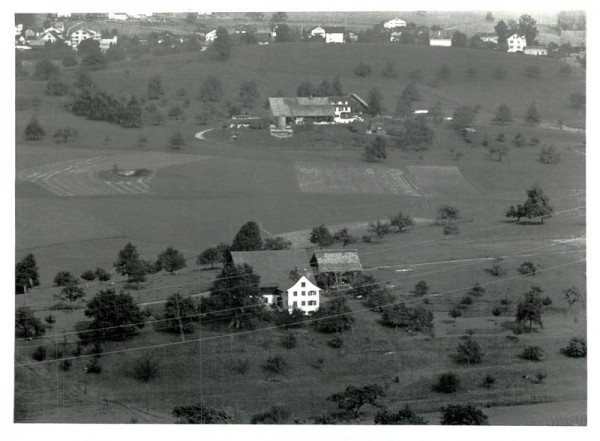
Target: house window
(303, 303)
(312, 293)
(295, 293)
(295, 304)
(303, 284)
(312, 302)
(303, 293)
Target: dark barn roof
(274, 267)
(337, 261)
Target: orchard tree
(88, 276)
(411, 92)
(71, 293)
(34, 131)
(459, 415)
(171, 260)
(344, 237)
(277, 243)
(248, 238)
(201, 413)
(401, 221)
(469, 352)
(503, 114)
(404, 107)
(179, 314)
(536, 205)
(128, 262)
(211, 90)
(463, 117)
(338, 89)
(221, 47)
(379, 229)
(234, 295)
(354, 398)
(44, 70)
(376, 151)
(530, 308)
(65, 134)
(444, 73)
(448, 214)
(115, 316)
(405, 416)
(26, 274)
(210, 256)
(374, 102)
(417, 134)
(155, 90)
(321, 236)
(334, 316)
(389, 70)
(533, 117)
(64, 278)
(102, 275)
(572, 295)
(437, 113)
(176, 141)
(27, 325)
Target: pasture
(74, 215)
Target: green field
(72, 219)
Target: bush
(34, 131)
(93, 367)
(455, 312)
(577, 348)
(488, 381)
(527, 268)
(546, 301)
(146, 369)
(549, 155)
(450, 230)
(447, 383)
(289, 340)
(275, 415)
(418, 318)
(50, 319)
(466, 300)
(55, 87)
(496, 311)
(534, 141)
(519, 140)
(532, 353)
(469, 352)
(39, 354)
(65, 365)
(336, 342)
(421, 288)
(275, 365)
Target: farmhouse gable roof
(337, 261)
(301, 106)
(274, 267)
(334, 29)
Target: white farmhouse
(536, 50)
(286, 278)
(318, 32)
(334, 34)
(210, 36)
(79, 35)
(394, 23)
(440, 38)
(516, 43)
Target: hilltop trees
(248, 238)
(171, 260)
(536, 205)
(115, 316)
(26, 274)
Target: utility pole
(147, 397)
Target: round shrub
(577, 348)
(447, 383)
(532, 353)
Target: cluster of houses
(73, 36)
(288, 278)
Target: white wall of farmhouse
(303, 295)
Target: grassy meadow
(193, 204)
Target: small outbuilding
(333, 267)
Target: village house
(335, 267)
(105, 43)
(18, 29)
(317, 32)
(209, 38)
(329, 34)
(489, 38)
(51, 36)
(516, 43)
(117, 16)
(440, 38)
(286, 278)
(351, 37)
(394, 23)
(79, 35)
(536, 50)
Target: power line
(310, 320)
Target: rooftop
(337, 261)
(274, 267)
(301, 106)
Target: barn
(298, 109)
(334, 267)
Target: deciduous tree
(155, 90)
(333, 316)
(321, 236)
(115, 316)
(180, 315)
(248, 238)
(34, 131)
(26, 274)
(210, 256)
(459, 415)
(530, 308)
(27, 325)
(171, 260)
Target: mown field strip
(351, 179)
(441, 180)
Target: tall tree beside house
(248, 238)
(210, 256)
(321, 236)
(376, 151)
(34, 131)
(528, 28)
(88, 46)
(375, 102)
(171, 260)
(502, 32)
(459, 39)
(155, 90)
(325, 89)
(284, 34)
(26, 274)
(221, 47)
(306, 89)
(234, 295)
(404, 107)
